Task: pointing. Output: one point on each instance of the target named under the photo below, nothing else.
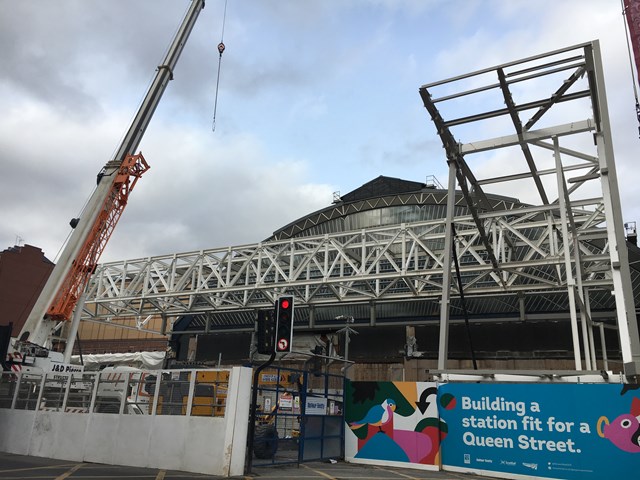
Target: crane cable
(221, 48)
(633, 77)
(463, 304)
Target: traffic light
(266, 332)
(284, 324)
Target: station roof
(395, 201)
(392, 198)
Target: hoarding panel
(570, 431)
(393, 423)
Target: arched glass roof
(380, 202)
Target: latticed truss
(560, 250)
(389, 264)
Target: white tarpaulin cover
(143, 360)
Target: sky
(315, 97)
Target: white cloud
(308, 107)
(315, 97)
(211, 192)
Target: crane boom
(45, 314)
(85, 263)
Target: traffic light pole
(252, 416)
(282, 344)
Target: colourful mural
(500, 429)
(393, 422)
(624, 431)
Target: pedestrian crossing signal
(284, 324)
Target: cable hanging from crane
(221, 48)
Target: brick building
(24, 270)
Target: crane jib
(105, 205)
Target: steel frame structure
(563, 93)
(568, 248)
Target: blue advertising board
(568, 431)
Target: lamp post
(347, 330)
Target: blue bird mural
(377, 416)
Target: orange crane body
(78, 260)
(86, 261)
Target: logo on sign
(270, 378)
(286, 401)
(283, 343)
(65, 368)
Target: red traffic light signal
(284, 324)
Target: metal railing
(164, 392)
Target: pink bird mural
(624, 431)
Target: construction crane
(62, 292)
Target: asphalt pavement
(20, 467)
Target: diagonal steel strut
(463, 174)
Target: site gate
(299, 417)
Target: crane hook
(221, 48)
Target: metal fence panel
(119, 391)
(299, 416)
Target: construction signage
(571, 431)
(316, 406)
(513, 430)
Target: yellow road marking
(396, 473)
(278, 476)
(64, 465)
(325, 475)
(69, 472)
(161, 475)
(353, 476)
